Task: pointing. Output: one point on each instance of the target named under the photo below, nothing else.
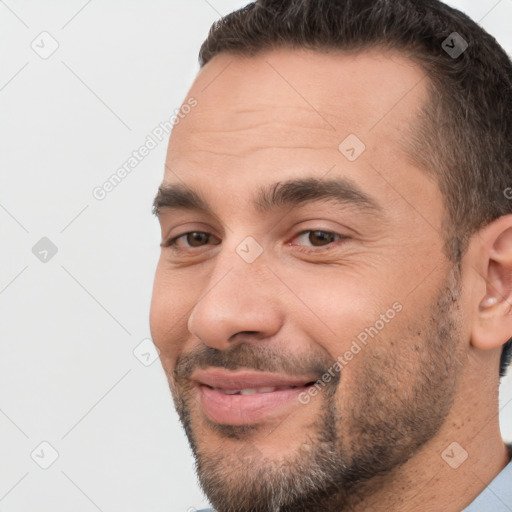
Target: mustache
(251, 357)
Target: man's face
(319, 260)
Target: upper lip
(229, 380)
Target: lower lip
(246, 409)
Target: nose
(237, 304)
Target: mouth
(247, 397)
(255, 391)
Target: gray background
(70, 324)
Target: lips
(221, 379)
(253, 391)
(245, 397)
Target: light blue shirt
(496, 497)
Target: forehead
(325, 94)
(283, 113)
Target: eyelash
(172, 243)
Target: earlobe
(492, 326)
(488, 302)
(497, 276)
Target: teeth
(248, 391)
(266, 390)
(253, 391)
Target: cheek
(338, 304)
(170, 306)
(350, 318)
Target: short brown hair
(463, 138)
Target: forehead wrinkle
(253, 115)
(268, 123)
(231, 137)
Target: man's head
(342, 183)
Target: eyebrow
(294, 192)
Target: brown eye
(192, 239)
(195, 238)
(316, 240)
(320, 238)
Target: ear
(492, 325)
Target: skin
(281, 115)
